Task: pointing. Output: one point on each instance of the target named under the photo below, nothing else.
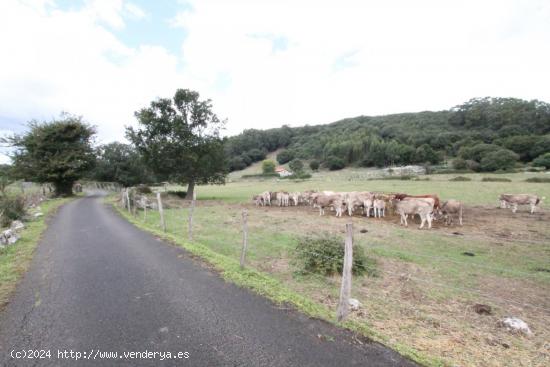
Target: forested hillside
(484, 134)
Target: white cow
(414, 206)
(513, 200)
(379, 206)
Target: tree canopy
(488, 124)
(179, 140)
(59, 151)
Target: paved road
(99, 283)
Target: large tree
(179, 140)
(59, 151)
(121, 163)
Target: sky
(265, 63)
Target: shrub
(495, 179)
(334, 163)
(460, 178)
(11, 208)
(261, 175)
(472, 165)
(501, 159)
(296, 166)
(268, 166)
(181, 194)
(542, 161)
(538, 179)
(143, 189)
(314, 165)
(459, 163)
(325, 256)
(297, 176)
(400, 177)
(285, 156)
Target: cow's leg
(514, 208)
(422, 220)
(429, 221)
(532, 208)
(384, 212)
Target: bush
(542, 161)
(268, 166)
(296, 166)
(502, 159)
(181, 194)
(11, 208)
(473, 165)
(143, 189)
(325, 256)
(538, 179)
(285, 156)
(459, 163)
(334, 163)
(314, 165)
(297, 176)
(261, 175)
(495, 179)
(460, 178)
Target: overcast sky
(266, 63)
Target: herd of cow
(428, 207)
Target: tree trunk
(63, 188)
(190, 190)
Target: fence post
(145, 209)
(245, 237)
(129, 206)
(345, 290)
(134, 209)
(191, 209)
(123, 199)
(161, 211)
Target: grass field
(15, 259)
(425, 286)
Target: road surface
(98, 287)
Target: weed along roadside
(15, 259)
(235, 270)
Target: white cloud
(273, 62)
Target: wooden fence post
(145, 209)
(345, 290)
(161, 211)
(123, 199)
(245, 237)
(129, 205)
(190, 230)
(134, 209)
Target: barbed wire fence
(173, 221)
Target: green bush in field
(459, 163)
(542, 161)
(538, 179)
(297, 176)
(268, 166)
(502, 159)
(325, 256)
(11, 208)
(296, 166)
(334, 163)
(314, 165)
(460, 178)
(495, 179)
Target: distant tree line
(482, 134)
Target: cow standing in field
(283, 198)
(414, 206)
(379, 206)
(323, 201)
(295, 198)
(450, 208)
(437, 203)
(513, 200)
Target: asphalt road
(97, 283)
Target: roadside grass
(221, 249)
(427, 282)
(15, 259)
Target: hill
(483, 134)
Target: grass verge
(275, 290)
(15, 259)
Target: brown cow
(514, 200)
